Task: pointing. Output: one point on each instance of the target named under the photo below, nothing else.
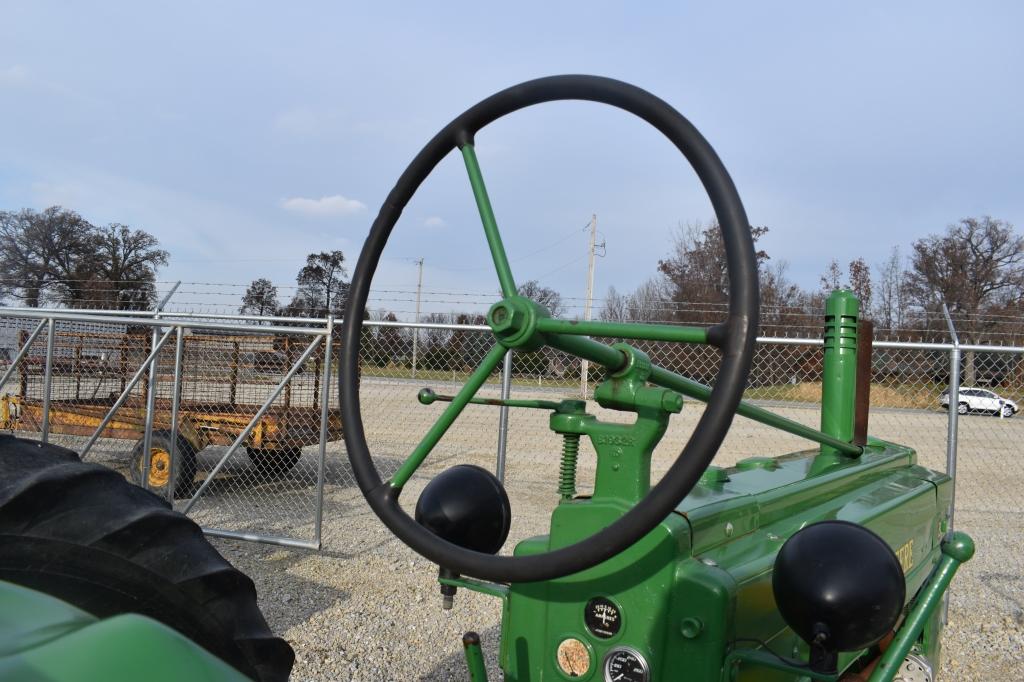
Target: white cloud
(335, 205)
(14, 74)
(434, 222)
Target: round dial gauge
(625, 665)
(573, 658)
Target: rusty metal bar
(862, 399)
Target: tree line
(58, 257)
(974, 266)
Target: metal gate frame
(164, 327)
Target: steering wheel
(519, 323)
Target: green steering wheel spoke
(626, 330)
(483, 203)
(447, 418)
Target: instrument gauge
(625, 665)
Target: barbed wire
(782, 320)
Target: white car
(980, 400)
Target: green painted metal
(483, 204)
(493, 589)
(567, 472)
(695, 593)
(44, 638)
(625, 330)
(839, 373)
(426, 396)
(698, 391)
(517, 322)
(447, 418)
(958, 549)
(474, 658)
(710, 564)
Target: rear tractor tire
(162, 476)
(276, 462)
(81, 533)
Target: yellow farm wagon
(225, 380)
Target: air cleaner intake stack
(839, 373)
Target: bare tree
(124, 268)
(39, 251)
(833, 277)
(614, 309)
(860, 283)
(58, 255)
(322, 285)
(647, 302)
(891, 301)
(695, 270)
(260, 298)
(547, 297)
(977, 265)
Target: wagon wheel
(163, 475)
(519, 323)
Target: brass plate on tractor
(573, 657)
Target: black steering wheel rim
(736, 343)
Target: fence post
(179, 352)
(951, 433)
(154, 367)
(48, 379)
(954, 413)
(506, 391)
(325, 399)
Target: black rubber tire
(182, 474)
(963, 408)
(273, 462)
(82, 533)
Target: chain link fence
(257, 405)
(167, 403)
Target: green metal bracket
(956, 549)
(624, 450)
(474, 657)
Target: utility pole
(584, 364)
(416, 330)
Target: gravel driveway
(367, 607)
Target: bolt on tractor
(825, 564)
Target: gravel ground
(367, 607)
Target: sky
(246, 135)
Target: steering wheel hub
(514, 322)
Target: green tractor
(826, 564)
